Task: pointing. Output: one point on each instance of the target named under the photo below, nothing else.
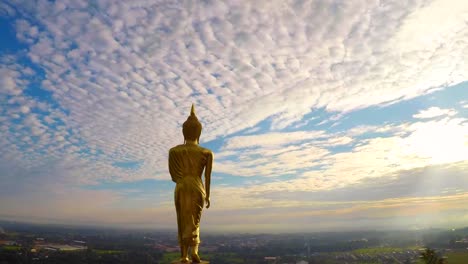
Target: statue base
(190, 262)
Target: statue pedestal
(190, 262)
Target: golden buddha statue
(186, 165)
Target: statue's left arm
(209, 164)
(173, 166)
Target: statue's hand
(207, 201)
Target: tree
(430, 256)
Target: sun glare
(441, 142)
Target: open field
(169, 257)
(11, 248)
(381, 250)
(107, 252)
(457, 257)
(232, 258)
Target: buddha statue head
(192, 127)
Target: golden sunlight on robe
(186, 164)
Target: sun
(442, 141)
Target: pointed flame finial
(192, 111)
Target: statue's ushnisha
(186, 165)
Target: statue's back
(187, 161)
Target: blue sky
(321, 114)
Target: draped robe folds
(186, 165)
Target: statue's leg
(184, 253)
(195, 256)
(196, 229)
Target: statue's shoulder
(206, 151)
(183, 148)
(176, 148)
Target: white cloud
(11, 78)
(408, 146)
(24, 109)
(6, 9)
(272, 139)
(122, 76)
(464, 104)
(434, 112)
(366, 129)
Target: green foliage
(12, 248)
(430, 256)
(227, 258)
(168, 257)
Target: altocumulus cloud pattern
(297, 98)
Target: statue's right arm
(208, 167)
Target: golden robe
(186, 165)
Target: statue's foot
(184, 260)
(196, 258)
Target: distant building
(78, 243)
(7, 243)
(39, 245)
(271, 260)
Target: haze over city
(322, 115)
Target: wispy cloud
(273, 139)
(94, 85)
(464, 104)
(409, 146)
(434, 112)
(123, 71)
